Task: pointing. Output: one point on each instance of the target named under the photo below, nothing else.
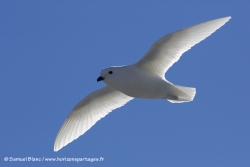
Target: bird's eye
(110, 72)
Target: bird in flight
(144, 79)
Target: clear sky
(51, 53)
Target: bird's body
(138, 83)
(144, 79)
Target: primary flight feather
(144, 79)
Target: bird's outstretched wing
(87, 112)
(167, 50)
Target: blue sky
(53, 51)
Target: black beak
(100, 79)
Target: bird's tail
(183, 94)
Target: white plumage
(144, 79)
(167, 50)
(87, 112)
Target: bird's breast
(141, 85)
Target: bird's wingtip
(227, 17)
(56, 148)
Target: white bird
(144, 79)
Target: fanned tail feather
(187, 94)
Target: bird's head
(108, 74)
